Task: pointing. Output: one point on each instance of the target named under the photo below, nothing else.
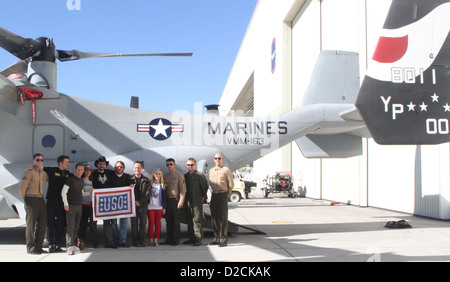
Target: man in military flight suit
(196, 186)
(31, 190)
(222, 183)
(176, 192)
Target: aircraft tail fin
(334, 84)
(405, 95)
(335, 79)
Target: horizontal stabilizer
(351, 114)
(330, 146)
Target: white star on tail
(447, 108)
(411, 107)
(423, 107)
(435, 98)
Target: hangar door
(305, 49)
(245, 102)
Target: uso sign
(113, 203)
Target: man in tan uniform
(221, 181)
(176, 192)
(31, 190)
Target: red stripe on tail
(391, 49)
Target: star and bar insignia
(160, 129)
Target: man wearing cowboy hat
(101, 178)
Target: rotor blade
(20, 47)
(77, 55)
(21, 66)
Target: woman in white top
(156, 206)
(86, 216)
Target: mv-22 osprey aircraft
(404, 99)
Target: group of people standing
(69, 203)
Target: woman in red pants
(156, 207)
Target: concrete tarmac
(296, 230)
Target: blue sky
(213, 30)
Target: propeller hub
(47, 51)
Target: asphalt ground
(295, 230)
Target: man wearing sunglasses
(32, 192)
(197, 187)
(56, 215)
(176, 192)
(222, 183)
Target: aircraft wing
(21, 66)
(8, 96)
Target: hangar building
(270, 75)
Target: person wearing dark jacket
(120, 179)
(142, 196)
(101, 179)
(56, 215)
(196, 187)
